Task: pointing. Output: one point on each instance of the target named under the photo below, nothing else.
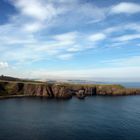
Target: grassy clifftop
(60, 90)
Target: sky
(70, 39)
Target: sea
(130, 84)
(94, 118)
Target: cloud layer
(70, 34)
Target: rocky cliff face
(63, 91)
(34, 89)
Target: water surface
(95, 118)
(131, 84)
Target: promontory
(18, 88)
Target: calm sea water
(131, 84)
(95, 118)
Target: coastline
(19, 89)
(13, 96)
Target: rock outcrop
(115, 90)
(62, 91)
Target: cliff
(63, 91)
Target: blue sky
(75, 39)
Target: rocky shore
(9, 89)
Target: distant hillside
(8, 78)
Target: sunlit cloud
(126, 7)
(97, 37)
(127, 37)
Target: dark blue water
(95, 118)
(125, 84)
(131, 84)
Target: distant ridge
(9, 78)
(14, 79)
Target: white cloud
(22, 55)
(66, 36)
(35, 9)
(21, 41)
(99, 74)
(21, 46)
(75, 48)
(128, 61)
(97, 37)
(32, 27)
(3, 65)
(133, 26)
(58, 12)
(33, 16)
(126, 7)
(15, 40)
(65, 39)
(127, 37)
(118, 28)
(90, 12)
(59, 42)
(67, 56)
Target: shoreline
(13, 96)
(45, 97)
(18, 89)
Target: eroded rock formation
(63, 91)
